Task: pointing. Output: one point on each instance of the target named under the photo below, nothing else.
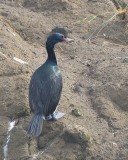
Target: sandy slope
(95, 80)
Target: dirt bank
(94, 74)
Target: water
(5, 148)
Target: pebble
(76, 112)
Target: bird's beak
(68, 40)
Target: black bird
(45, 87)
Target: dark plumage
(45, 87)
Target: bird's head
(58, 37)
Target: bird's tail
(36, 125)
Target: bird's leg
(51, 117)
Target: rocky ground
(95, 92)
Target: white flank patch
(19, 60)
(5, 148)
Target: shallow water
(5, 148)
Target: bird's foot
(58, 115)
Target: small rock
(1, 45)
(76, 112)
(34, 52)
(123, 50)
(72, 57)
(125, 60)
(81, 85)
(76, 89)
(88, 64)
(71, 105)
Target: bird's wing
(45, 94)
(51, 94)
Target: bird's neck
(51, 53)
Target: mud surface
(95, 76)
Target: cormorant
(45, 87)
